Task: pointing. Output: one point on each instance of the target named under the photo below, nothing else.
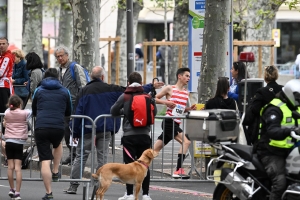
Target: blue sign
(198, 73)
(200, 5)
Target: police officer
(275, 142)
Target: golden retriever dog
(131, 173)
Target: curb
(176, 190)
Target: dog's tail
(95, 176)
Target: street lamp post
(130, 39)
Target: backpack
(28, 82)
(140, 112)
(84, 70)
(27, 154)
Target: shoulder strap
(72, 65)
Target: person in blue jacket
(94, 99)
(20, 74)
(51, 102)
(238, 74)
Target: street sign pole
(130, 39)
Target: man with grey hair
(95, 99)
(73, 85)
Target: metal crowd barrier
(86, 182)
(90, 182)
(1, 139)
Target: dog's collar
(143, 163)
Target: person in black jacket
(262, 97)
(275, 142)
(221, 100)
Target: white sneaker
(146, 197)
(127, 197)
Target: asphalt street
(163, 186)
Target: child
(16, 134)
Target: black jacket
(220, 103)
(262, 97)
(271, 129)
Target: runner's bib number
(178, 110)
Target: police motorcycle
(242, 175)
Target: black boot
(67, 161)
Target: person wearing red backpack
(135, 140)
(100, 95)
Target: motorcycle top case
(213, 125)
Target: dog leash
(128, 154)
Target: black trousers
(275, 168)
(4, 96)
(136, 145)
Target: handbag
(21, 91)
(242, 137)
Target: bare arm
(166, 91)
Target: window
(289, 41)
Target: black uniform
(273, 158)
(262, 97)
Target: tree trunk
(32, 27)
(180, 27)
(65, 32)
(263, 32)
(215, 46)
(86, 32)
(166, 39)
(121, 31)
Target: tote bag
(241, 138)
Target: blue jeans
(102, 144)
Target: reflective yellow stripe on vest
(287, 121)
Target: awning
(157, 16)
(288, 15)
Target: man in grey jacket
(73, 85)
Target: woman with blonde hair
(262, 97)
(20, 74)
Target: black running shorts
(44, 137)
(167, 127)
(14, 150)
